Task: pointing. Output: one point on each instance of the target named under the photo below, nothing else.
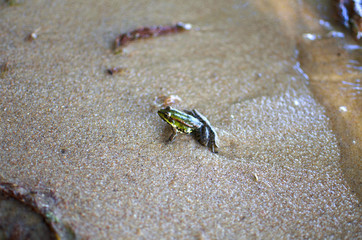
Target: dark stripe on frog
(184, 123)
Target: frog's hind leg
(201, 117)
(189, 112)
(202, 135)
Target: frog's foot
(214, 148)
(213, 142)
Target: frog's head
(165, 113)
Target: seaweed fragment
(149, 32)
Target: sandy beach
(91, 150)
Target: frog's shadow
(166, 133)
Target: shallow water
(19, 221)
(97, 142)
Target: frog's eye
(168, 108)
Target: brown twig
(148, 32)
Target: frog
(190, 122)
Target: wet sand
(96, 140)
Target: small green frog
(190, 122)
